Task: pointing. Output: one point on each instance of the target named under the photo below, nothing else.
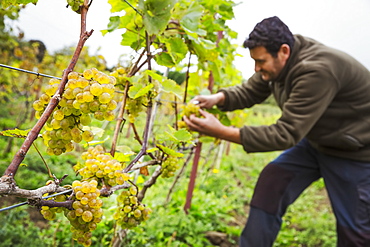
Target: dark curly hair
(270, 33)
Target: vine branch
(33, 134)
(120, 118)
(6, 188)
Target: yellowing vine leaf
(17, 133)
(119, 5)
(170, 151)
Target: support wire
(29, 72)
(46, 197)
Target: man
(324, 95)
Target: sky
(341, 24)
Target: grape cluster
(87, 211)
(188, 110)
(170, 166)
(134, 107)
(75, 4)
(87, 94)
(102, 167)
(130, 212)
(120, 74)
(49, 213)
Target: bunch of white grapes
(188, 110)
(170, 166)
(102, 167)
(130, 212)
(87, 211)
(88, 94)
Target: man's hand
(211, 126)
(207, 101)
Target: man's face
(269, 66)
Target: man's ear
(284, 52)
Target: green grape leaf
(207, 44)
(191, 20)
(17, 133)
(176, 52)
(175, 136)
(164, 59)
(114, 23)
(118, 5)
(92, 143)
(156, 14)
(121, 157)
(177, 49)
(170, 137)
(170, 86)
(151, 150)
(215, 66)
(183, 135)
(154, 75)
(206, 139)
(131, 21)
(125, 150)
(137, 90)
(132, 40)
(170, 151)
(205, 50)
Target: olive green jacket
(324, 95)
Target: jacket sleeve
(312, 90)
(249, 93)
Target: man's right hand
(207, 101)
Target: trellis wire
(50, 76)
(24, 203)
(29, 72)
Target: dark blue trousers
(285, 178)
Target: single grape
(87, 216)
(38, 105)
(73, 75)
(88, 74)
(53, 81)
(96, 89)
(87, 136)
(105, 98)
(85, 119)
(58, 115)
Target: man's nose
(256, 67)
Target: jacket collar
(291, 60)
